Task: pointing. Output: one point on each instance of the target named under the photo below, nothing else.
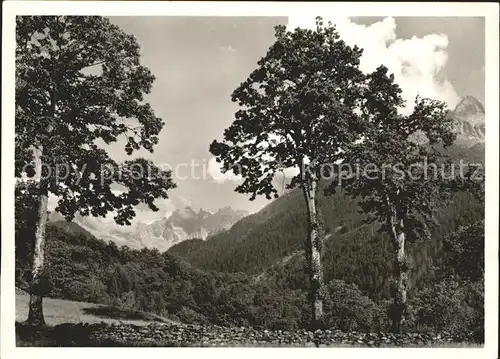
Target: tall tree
(400, 171)
(297, 110)
(79, 87)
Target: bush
(452, 306)
(189, 316)
(464, 251)
(347, 309)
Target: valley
(249, 182)
(239, 266)
(181, 225)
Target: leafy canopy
(400, 167)
(80, 86)
(298, 105)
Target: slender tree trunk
(35, 316)
(400, 274)
(38, 285)
(314, 246)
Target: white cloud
(214, 170)
(415, 62)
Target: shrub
(453, 306)
(347, 309)
(189, 316)
(464, 250)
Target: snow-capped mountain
(469, 120)
(186, 223)
(181, 225)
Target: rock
(159, 334)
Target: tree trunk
(314, 246)
(400, 275)
(35, 316)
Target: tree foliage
(79, 87)
(465, 251)
(454, 302)
(389, 169)
(298, 105)
(297, 110)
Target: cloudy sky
(198, 62)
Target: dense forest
(444, 296)
(355, 251)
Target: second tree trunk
(35, 315)
(313, 253)
(398, 307)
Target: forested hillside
(252, 275)
(84, 268)
(355, 252)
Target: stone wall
(167, 335)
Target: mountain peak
(228, 210)
(185, 212)
(469, 121)
(202, 213)
(183, 224)
(469, 105)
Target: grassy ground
(58, 311)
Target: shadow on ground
(47, 336)
(74, 335)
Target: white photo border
(490, 11)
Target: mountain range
(269, 243)
(182, 224)
(230, 226)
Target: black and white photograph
(302, 179)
